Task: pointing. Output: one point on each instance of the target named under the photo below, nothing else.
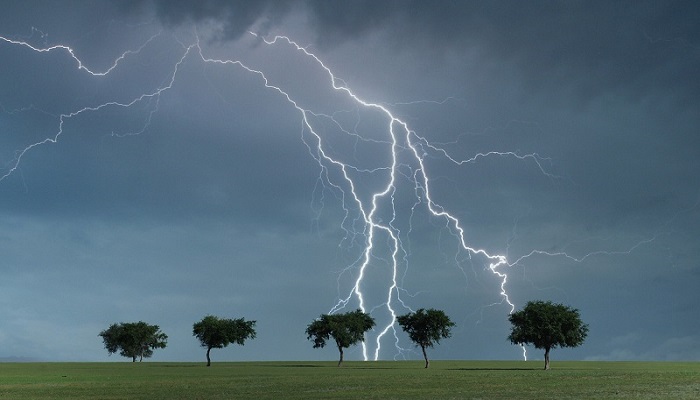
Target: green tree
(426, 328)
(346, 329)
(546, 326)
(133, 339)
(216, 333)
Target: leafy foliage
(133, 339)
(426, 328)
(546, 325)
(216, 333)
(345, 329)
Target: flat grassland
(355, 380)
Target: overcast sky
(173, 160)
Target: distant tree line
(543, 324)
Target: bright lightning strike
(381, 202)
(373, 217)
(62, 118)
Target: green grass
(355, 380)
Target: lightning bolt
(400, 136)
(63, 117)
(72, 53)
(373, 218)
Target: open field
(322, 380)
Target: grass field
(355, 380)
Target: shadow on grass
(181, 365)
(300, 366)
(330, 366)
(365, 366)
(494, 369)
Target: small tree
(346, 329)
(426, 328)
(216, 333)
(547, 325)
(133, 339)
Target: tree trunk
(425, 355)
(546, 358)
(208, 359)
(133, 358)
(340, 349)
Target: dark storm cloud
(235, 17)
(594, 47)
(632, 49)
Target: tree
(547, 325)
(426, 328)
(346, 329)
(133, 339)
(216, 333)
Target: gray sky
(208, 171)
